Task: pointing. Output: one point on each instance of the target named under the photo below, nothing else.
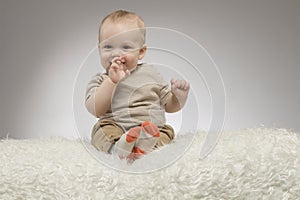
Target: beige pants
(105, 133)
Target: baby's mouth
(110, 63)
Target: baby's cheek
(104, 56)
(105, 60)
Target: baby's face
(121, 39)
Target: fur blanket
(246, 164)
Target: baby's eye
(127, 47)
(107, 46)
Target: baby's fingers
(127, 72)
(118, 60)
(186, 85)
(180, 84)
(114, 67)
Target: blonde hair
(123, 15)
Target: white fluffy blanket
(247, 164)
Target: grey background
(43, 43)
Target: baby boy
(130, 99)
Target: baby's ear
(142, 52)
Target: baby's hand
(180, 88)
(117, 70)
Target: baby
(130, 99)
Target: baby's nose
(116, 53)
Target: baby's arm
(100, 101)
(178, 97)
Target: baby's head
(122, 34)
(130, 19)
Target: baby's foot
(124, 146)
(135, 154)
(148, 137)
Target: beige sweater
(139, 97)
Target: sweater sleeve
(164, 94)
(94, 83)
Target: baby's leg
(124, 146)
(105, 133)
(166, 136)
(148, 138)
